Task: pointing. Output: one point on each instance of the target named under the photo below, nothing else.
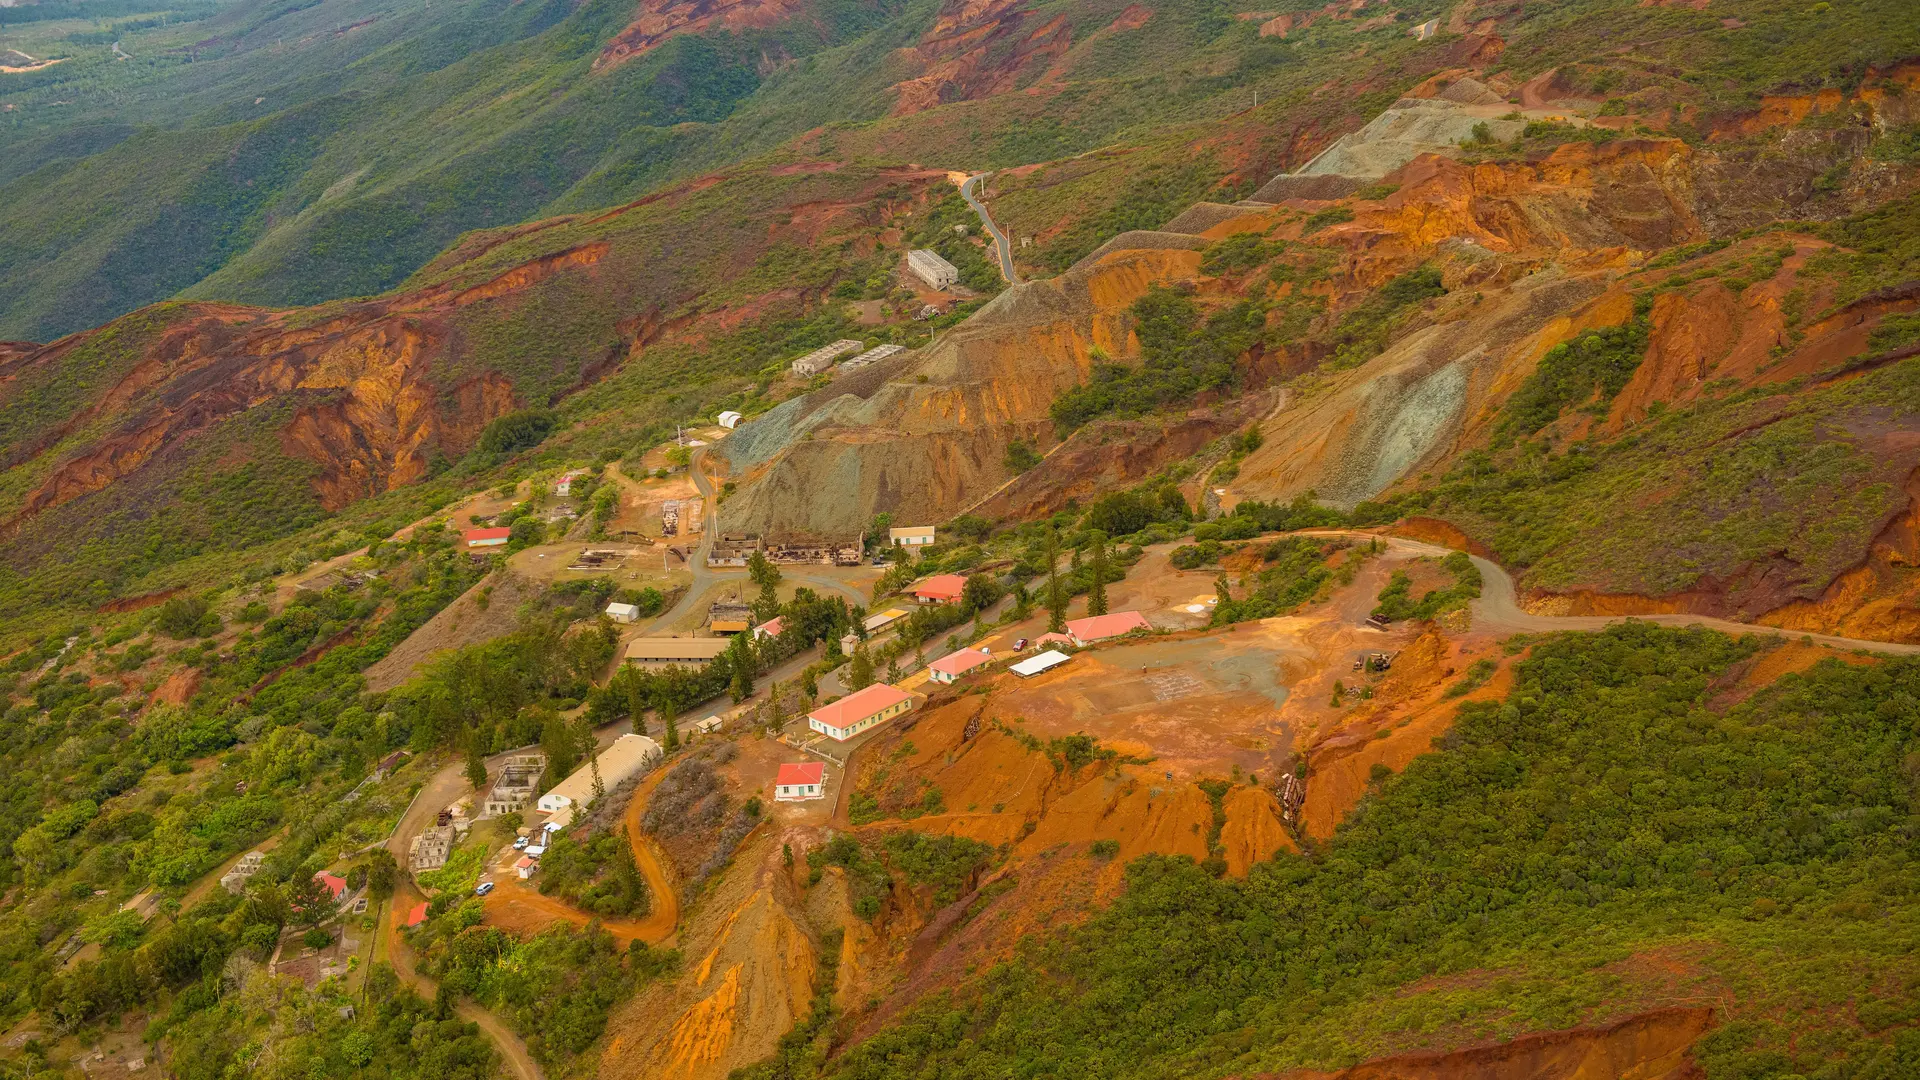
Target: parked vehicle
(483, 888)
(1020, 645)
(520, 844)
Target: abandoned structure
(519, 779)
(235, 880)
(929, 267)
(729, 617)
(431, 848)
(733, 549)
(824, 552)
(872, 356)
(823, 357)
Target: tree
(1097, 594)
(1020, 456)
(187, 617)
(476, 765)
(979, 593)
(593, 757)
(672, 736)
(382, 873)
(1220, 589)
(1056, 593)
(740, 662)
(762, 572)
(562, 746)
(860, 670)
(776, 717)
(310, 900)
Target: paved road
(1499, 605)
(1001, 245)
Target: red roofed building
(940, 589)
(336, 886)
(858, 711)
(956, 663)
(417, 914)
(801, 781)
(771, 628)
(486, 538)
(1101, 627)
(1055, 639)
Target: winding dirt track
(437, 792)
(1499, 605)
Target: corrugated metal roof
(1037, 664)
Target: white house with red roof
(940, 589)
(770, 629)
(957, 663)
(800, 781)
(1101, 627)
(336, 885)
(860, 710)
(486, 538)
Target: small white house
(730, 419)
(911, 536)
(957, 663)
(623, 613)
(563, 487)
(800, 782)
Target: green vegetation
(1396, 600)
(1601, 811)
(386, 1031)
(1477, 675)
(1295, 571)
(1182, 355)
(943, 865)
(1728, 484)
(1589, 370)
(556, 988)
(1365, 329)
(1320, 219)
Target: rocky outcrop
(978, 48)
(926, 440)
(659, 20)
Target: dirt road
(1499, 605)
(442, 788)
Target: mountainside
(139, 435)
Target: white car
(520, 844)
(483, 888)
